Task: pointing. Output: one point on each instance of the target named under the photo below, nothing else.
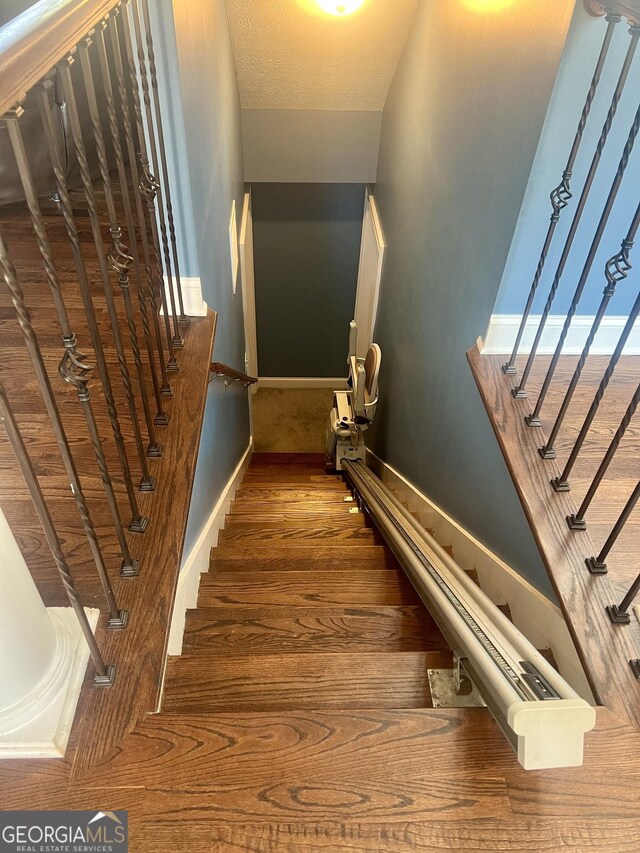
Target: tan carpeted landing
(291, 420)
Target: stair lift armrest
(344, 408)
(359, 391)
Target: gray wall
(306, 252)
(459, 135)
(582, 48)
(214, 157)
(311, 146)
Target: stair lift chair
(354, 410)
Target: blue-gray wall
(213, 152)
(576, 70)
(306, 240)
(459, 135)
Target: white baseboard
(337, 384)
(503, 328)
(194, 304)
(197, 561)
(539, 619)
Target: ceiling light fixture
(340, 7)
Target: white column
(42, 661)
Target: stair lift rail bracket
(541, 715)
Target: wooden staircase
(304, 607)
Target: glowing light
(488, 5)
(340, 7)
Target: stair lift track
(543, 718)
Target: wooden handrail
(231, 375)
(629, 8)
(32, 43)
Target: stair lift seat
(354, 410)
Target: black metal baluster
(534, 418)
(577, 522)
(616, 270)
(619, 613)
(561, 484)
(598, 565)
(147, 483)
(120, 261)
(147, 184)
(117, 618)
(562, 194)
(182, 319)
(153, 147)
(105, 674)
(162, 417)
(155, 449)
(520, 392)
(73, 367)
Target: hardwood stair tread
(263, 550)
(322, 534)
(306, 589)
(246, 747)
(301, 681)
(295, 493)
(250, 522)
(300, 563)
(271, 630)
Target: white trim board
(503, 328)
(539, 619)
(372, 250)
(247, 273)
(336, 384)
(194, 304)
(197, 561)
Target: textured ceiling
(290, 55)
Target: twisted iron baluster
(119, 257)
(576, 521)
(534, 418)
(147, 483)
(162, 417)
(561, 484)
(146, 97)
(616, 270)
(117, 618)
(182, 319)
(72, 368)
(562, 194)
(519, 392)
(105, 674)
(147, 184)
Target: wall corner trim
(194, 304)
(197, 560)
(539, 619)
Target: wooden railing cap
(32, 43)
